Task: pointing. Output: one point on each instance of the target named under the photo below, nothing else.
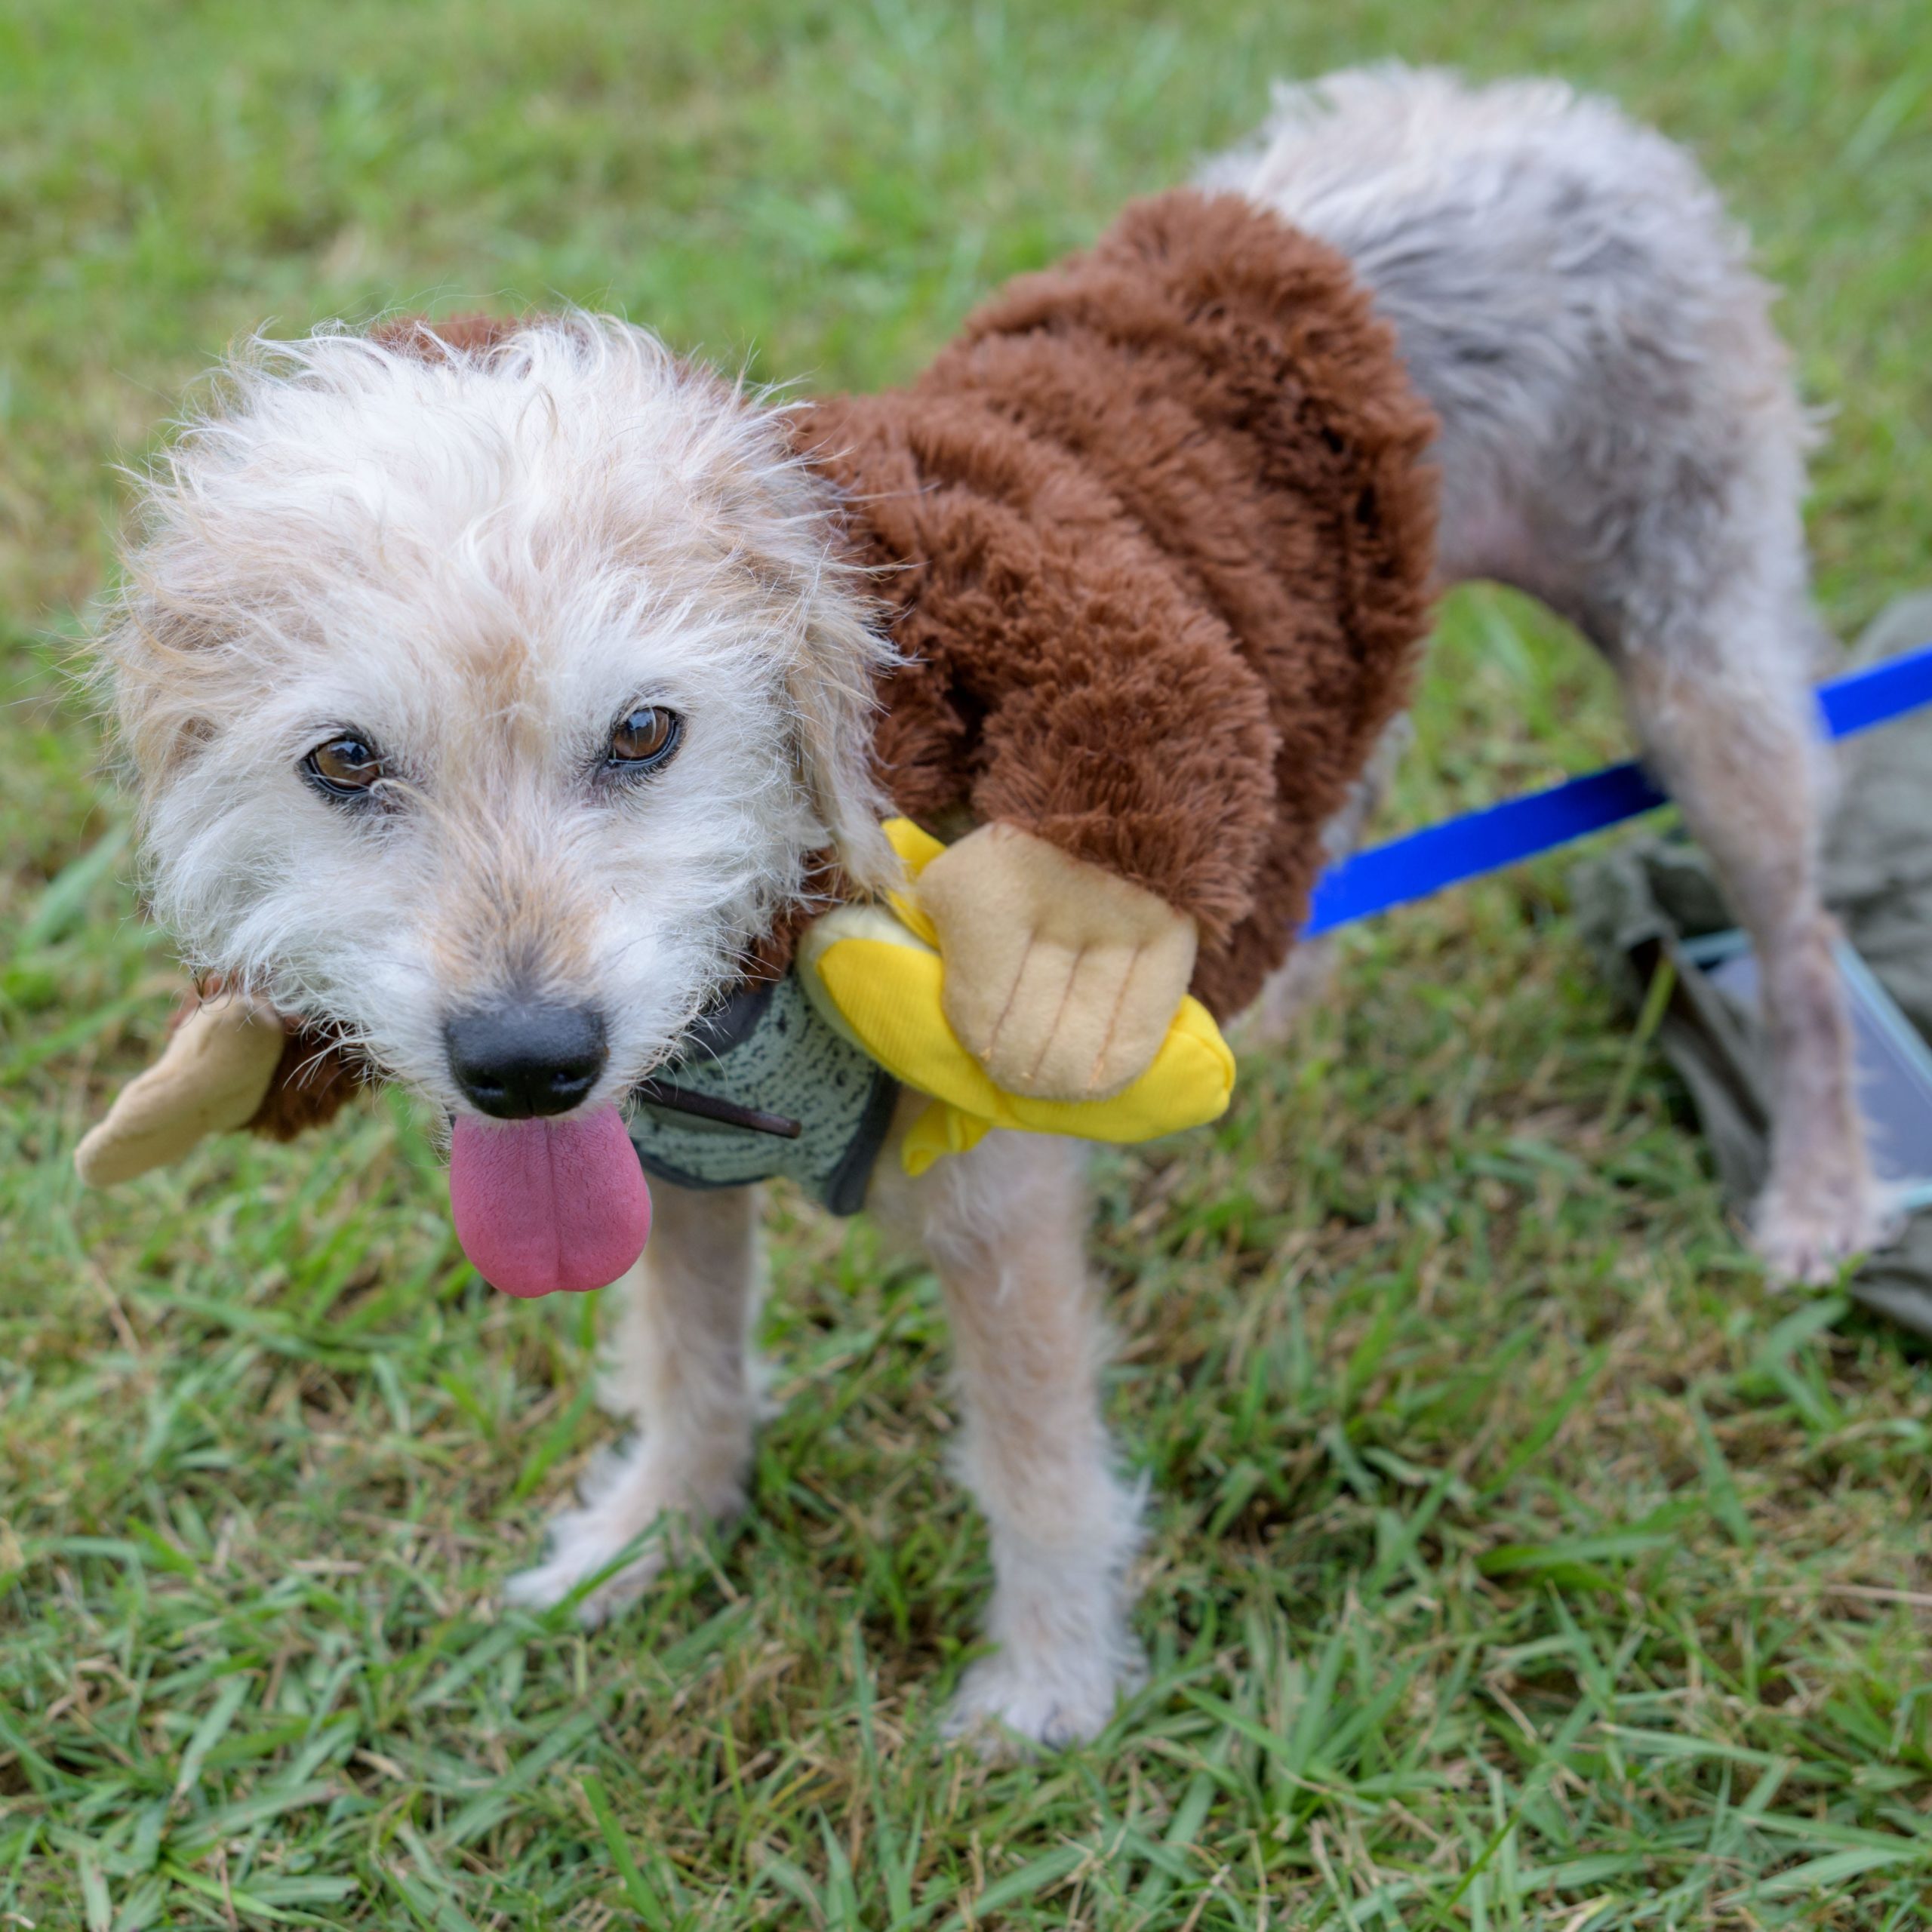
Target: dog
(486, 551)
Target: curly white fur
(482, 561)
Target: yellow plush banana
(876, 976)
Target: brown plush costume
(1154, 536)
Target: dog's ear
(830, 688)
(795, 539)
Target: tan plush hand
(212, 1076)
(1061, 978)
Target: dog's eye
(645, 739)
(344, 767)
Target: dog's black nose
(522, 1059)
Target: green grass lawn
(1516, 1558)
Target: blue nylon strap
(1482, 842)
(1856, 702)
(1478, 842)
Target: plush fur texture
(478, 549)
(1155, 539)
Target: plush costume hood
(1153, 537)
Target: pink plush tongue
(542, 1205)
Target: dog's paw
(1010, 1703)
(626, 1493)
(582, 1543)
(1804, 1234)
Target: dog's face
(485, 705)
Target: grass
(1516, 1560)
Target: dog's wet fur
(485, 563)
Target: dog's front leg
(681, 1365)
(1005, 1227)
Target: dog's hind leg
(1659, 508)
(679, 1363)
(1619, 437)
(1005, 1227)
(1738, 753)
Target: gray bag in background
(1637, 904)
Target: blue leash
(1480, 841)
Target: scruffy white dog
(455, 571)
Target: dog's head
(487, 696)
